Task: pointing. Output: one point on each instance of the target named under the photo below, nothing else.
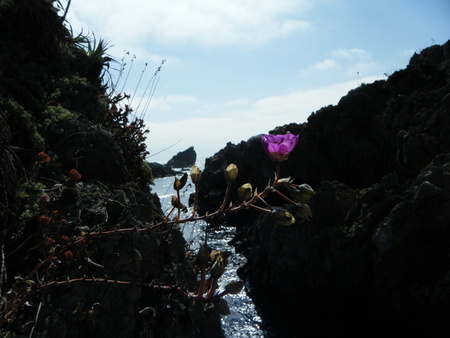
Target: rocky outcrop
(162, 170)
(374, 259)
(183, 159)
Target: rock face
(161, 170)
(183, 159)
(373, 261)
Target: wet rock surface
(374, 258)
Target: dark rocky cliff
(183, 159)
(374, 259)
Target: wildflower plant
(129, 130)
(61, 249)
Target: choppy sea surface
(243, 320)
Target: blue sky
(239, 68)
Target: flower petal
(273, 148)
(284, 148)
(278, 147)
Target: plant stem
(178, 209)
(195, 200)
(284, 196)
(227, 194)
(277, 177)
(212, 288)
(259, 208)
(202, 287)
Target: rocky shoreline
(84, 250)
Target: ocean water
(243, 320)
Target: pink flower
(278, 147)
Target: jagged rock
(162, 170)
(183, 159)
(375, 254)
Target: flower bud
(203, 254)
(215, 254)
(282, 217)
(43, 157)
(44, 220)
(222, 307)
(180, 183)
(285, 180)
(245, 192)
(303, 211)
(302, 193)
(68, 256)
(234, 287)
(218, 268)
(231, 172)
(74, 175)
(196, 174)
(30, 282)
(176, 203)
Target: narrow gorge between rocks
(243, 320)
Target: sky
(203, 73)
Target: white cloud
(231, 22)
(351, 53)
(162, 104)
(344, 64)
(239, 120)
(325, 65)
